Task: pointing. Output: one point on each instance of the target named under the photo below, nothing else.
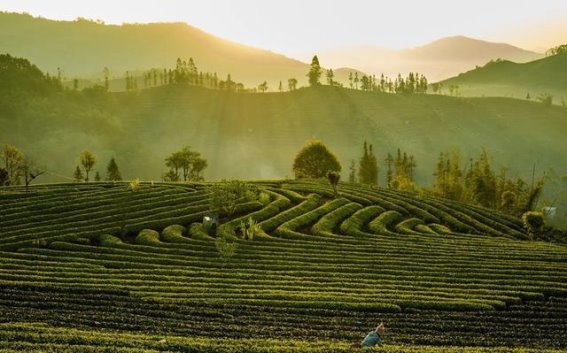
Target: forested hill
(505, 78)
(257, 135)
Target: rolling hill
(505, 78)
(257, 135)
(99, 267)
(438, 60)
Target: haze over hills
(505, 78)
(257, 135)
(438, 60)
(83, 48)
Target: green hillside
(506, 78)
(257, 135)
(100, 268)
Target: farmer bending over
(374, 337)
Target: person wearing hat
(374, 337)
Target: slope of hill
(257, 135)
(96, 267)
(505, 78)
(84, 48)
(438, 60)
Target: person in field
(374, 338)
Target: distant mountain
(438, 60)
(83, 48)
(505, 78)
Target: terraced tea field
(98, 268)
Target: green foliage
(112, 171)
(249, 228)
(368, 166)
(134, 185)
(315, 160)
(264, 198)
(225, 249)
(226, 195)
(185, 163)
(533, 222)
(78, 175)
(88, 160)
(97, 176)
(314, 73)
(558, 50)
(13, 160)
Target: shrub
(334, 178)
(264, 198)
(226, 195)
(533, 222)
(225, 249)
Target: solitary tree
(88, 160)
(97, 176)
(112, 172)
(292, 84)
(263, 87)
(314, 73)
(315, 160)
(31, 171)
(330, 77)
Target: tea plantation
(96, 267)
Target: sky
(293, 27)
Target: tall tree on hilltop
(314, 73)
(112, 171)
(88, 160)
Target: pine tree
(352, 175)
(314, 73)
(372, 167)
(112, 172)
(363, 165)
(97, 176)
(78, 175)
(389, 172)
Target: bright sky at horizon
(298, 26)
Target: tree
(368, 170)
(106, 73)
(546, 99)
(356, 80)
(112, 172)
(13, 160)
(78, 175)
(314, 73)
(97, 176)
(280, 87)
(186, 161)
(330, 77)
(352, 174)
(226, 195)
(31, 171)
(350, 80)
(334, 178)
(315, 160)
(560, 49)
(263, 87)
(88, 160)
(3, 177)
(292, 84)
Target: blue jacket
(372, 339)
